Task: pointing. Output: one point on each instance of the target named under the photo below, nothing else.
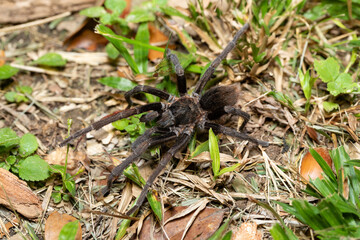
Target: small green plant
(7, 71)
(17, 155)
(337, 83)
(306, 82)
(132, 126)
(68, 182)
(18, 95)
(337, 214)
(69, 231)
(215, 156)
(50, 60)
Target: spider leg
(181, 79)
(238, 112)
(112, 118)
(181, 142)
(232, 132)
(139, 147)
(207, 74)
(146, 89)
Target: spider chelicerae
(177, 119)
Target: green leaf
(11, 159)
(140, 52)
(93, 12)
(68, 232)
(121, 124)
(217, 235)
(111, 51)
(34, 168)
(203, 147)
(70, 186)
(24, 89)
(307, 83)
(324, 166)
(116, 6)
(174, 12)
(8, 138)
(7, 71)
(118, 44)
(140, 15)
(155, 204)
(330, 106)
(56, 196)
(278, 233)
(342, 84)
(227, 236)
(120, 83)
(28, 145)
(5, 165)
(15, 97)
(229, 169)
(51, 60)
(328, 69)
(214, 153)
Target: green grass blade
(141, 52)
(325, 167)
(118, 44)
(214, 152)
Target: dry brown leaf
(15, 194)
(206, 38)
(88, 40)
(9, 225)
(352, 122)
(247, 231)
(312, 134)
(2, 57)
(58, 157)
(55, 222)
(157, 38)
(205, 224)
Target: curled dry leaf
(247, 231)
(309, 167)
(55, 222)
(205, 224)
(2, 57)
(312, 134)
(15, 194)
(58, 157)
(156, 38)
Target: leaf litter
(267, 73)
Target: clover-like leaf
(51, 60)
(328, 69)
(34, 168)
(330, 106)
(8, 138)
(342, 84)
(28, 145)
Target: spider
(178, 119)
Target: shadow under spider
(178, 118)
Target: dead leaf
(352, 121)
(55, 222)
(15, 194)
(204, 225)
(247, 231)
(86, 39)
(2, 57)
(312, 134)
(157, 38)
(58, 156)
(8, 226)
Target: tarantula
(178, 119)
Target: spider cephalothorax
(178, 118)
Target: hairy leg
(181, 79)
(146, 89)
(181, 142)
(144, 142)
(238, 112)
(112, 118)
(232, 132)
(207, 74)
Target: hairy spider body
(178, 119)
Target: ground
(265, 65)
